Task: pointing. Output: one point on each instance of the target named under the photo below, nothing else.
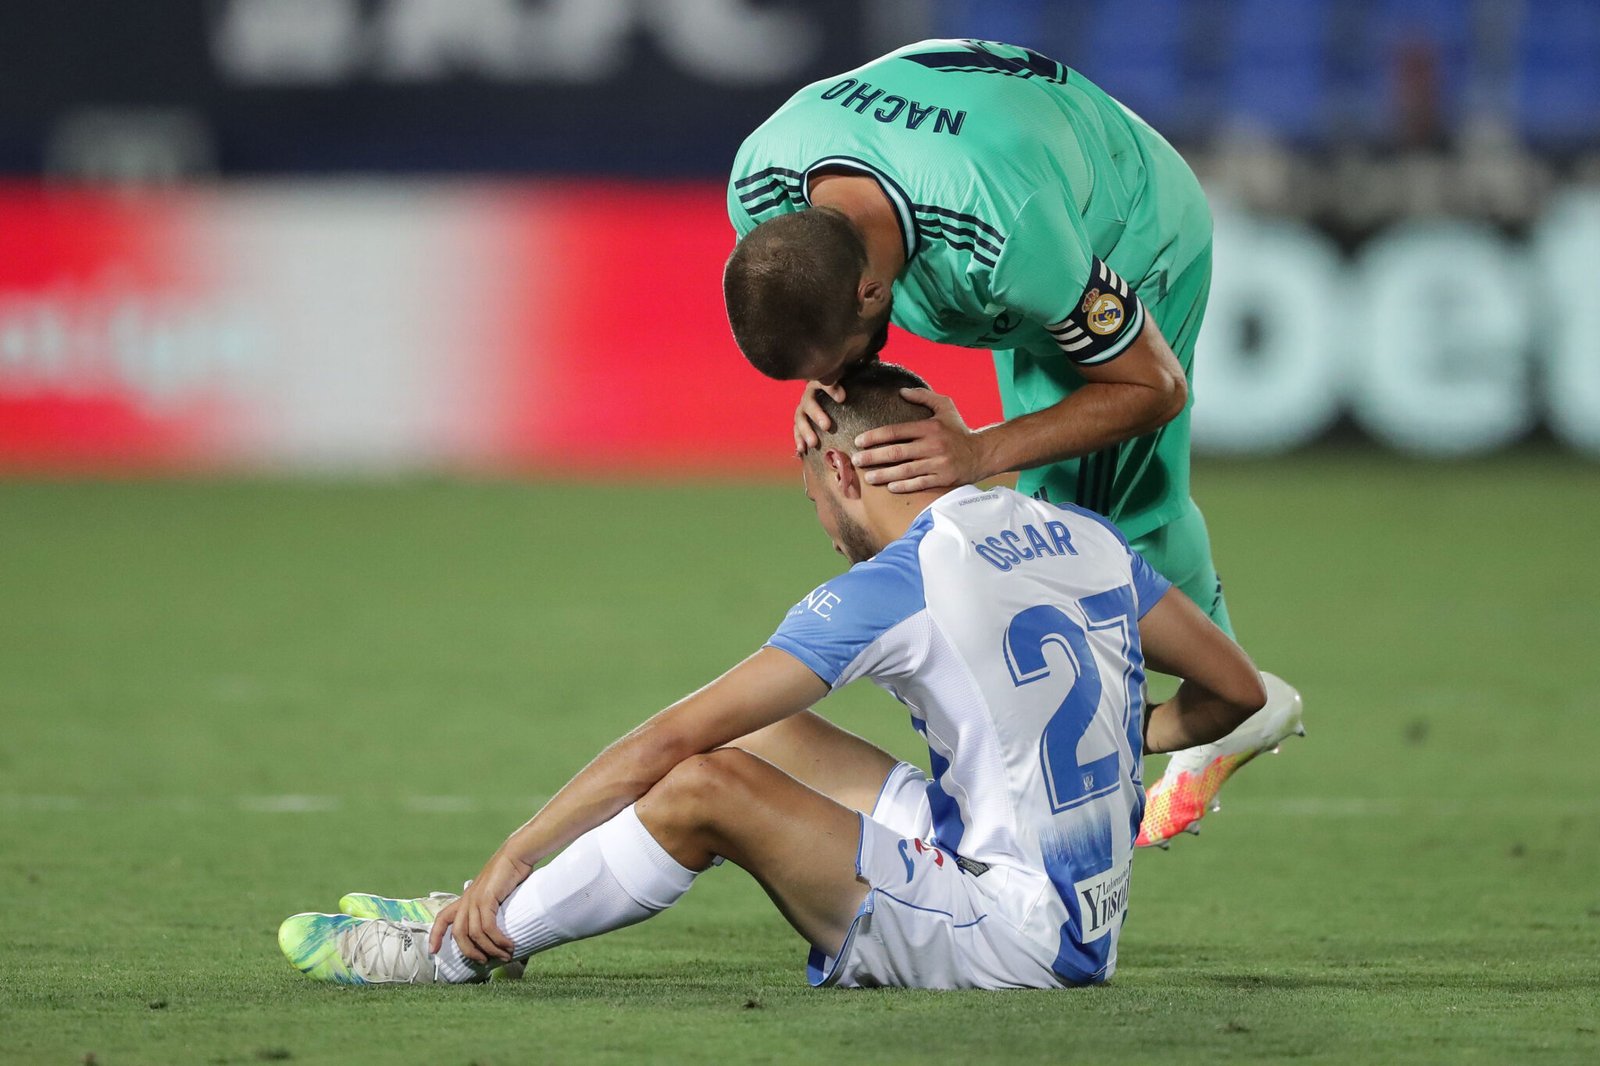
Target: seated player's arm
(1137, 392)
(768, 686)
(1221, 686)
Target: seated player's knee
(698, 788)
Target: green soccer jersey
(1042, 220)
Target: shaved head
(872, 399)
(842, 497)
(790, 289)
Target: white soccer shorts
(926, 922)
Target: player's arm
(1139, 391)
(1133, 382)
(768, 686)
(1220, 685)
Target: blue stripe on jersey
(1079, 852)
(948, 828)
(830, 628)
(1148, 585)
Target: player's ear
(871, 295)
(844, 473)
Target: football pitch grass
(224, 703)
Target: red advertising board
(622, 359)
(552, 327)
(85, 280)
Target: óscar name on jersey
(864, 98)
(1010, 548)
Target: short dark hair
(790, 286)
(871, 399)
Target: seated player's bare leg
(824, 758)
(799, 844)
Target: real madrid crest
(1104, 314)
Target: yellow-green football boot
(423, 909)
(343, 950)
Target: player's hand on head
(809, 417)
(934, 453)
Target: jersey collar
(891, 188)
(955, 497)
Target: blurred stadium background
(400, 234)
(373, 449)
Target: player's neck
(890, 514)
(862, 201)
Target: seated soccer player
(1016, 633)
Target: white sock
(613, 876)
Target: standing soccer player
(983, 195)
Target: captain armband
(1106, 320)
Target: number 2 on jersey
(1067, 781)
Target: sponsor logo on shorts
(1102, 899)
(921, 849)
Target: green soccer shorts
(1180, 551)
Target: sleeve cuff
(808, 658)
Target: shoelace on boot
(389, 951)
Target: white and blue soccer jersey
(1008, 627)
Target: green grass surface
(223, 703)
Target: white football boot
(1189, 786)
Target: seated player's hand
(474, 919)
(810, 417)
(935, 453)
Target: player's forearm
(618, 776)
(764, 688)
(1097, 416)
(1197, 715)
